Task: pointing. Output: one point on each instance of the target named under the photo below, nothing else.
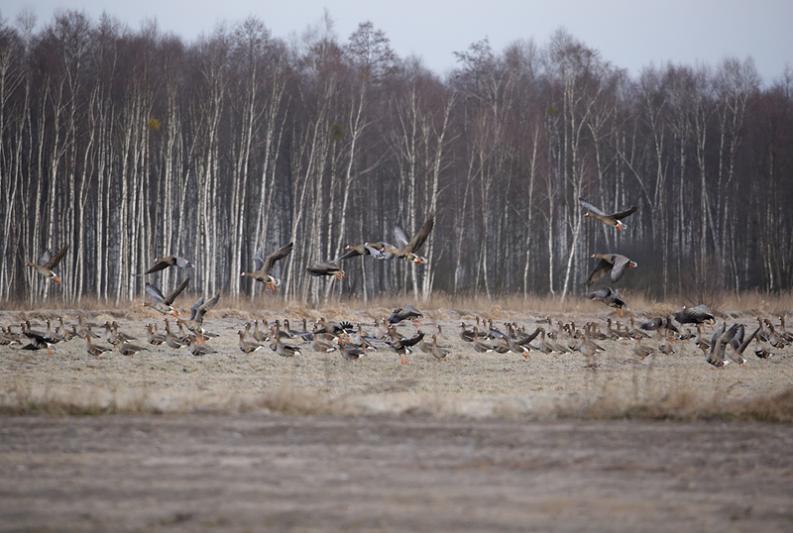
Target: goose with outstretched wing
(408, 249)
(167, 261)
(47, 263)
(609, 219)
(264, 267)
(162, 303)
(613, 265)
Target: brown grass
(680, 402)
(440, 303)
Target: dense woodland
(130, 144)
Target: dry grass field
(467, 383)
(478, 441)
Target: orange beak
(56, 280)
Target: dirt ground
(385, 473)
(467, 383)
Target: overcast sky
(629, 33)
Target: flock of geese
(680, 332)
(725, 343)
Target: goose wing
(354, 251)
(625, 214)
(195, 307)
(400, 237)
(161, 263)
(176, 292)
(154, 292)
(280, 253)
(603, 267)
(591, 208)
(55, 259)
(620, 263)
(322, 269)
(418, 239)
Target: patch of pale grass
(440, 303)
(680, 400)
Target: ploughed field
(256, 472)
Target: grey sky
(629, 33)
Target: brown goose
(613, 264)
(197, 312)
(155, 338)
(694, 315)
(403, 346)
(39, 341)
(265, 265)
(47, 262)
(614, 219)
(95, 349)
(349, 350)
(325, 343)
(247, 346)
(404, 313)
(125, 348)
(199, 347)
(166, 261)
(718, 345)
(641, 351)
(438, 352)
(326, 268)
(163, 304)
(407, 249)
(283, 349)
(378, 250)
(608, 296)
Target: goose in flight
(614, 219)
(47, 262)
(197, 312)
(378, 250)
(608, 296)
(326, 268)
(162, 303)
(409, 248)
(166, 261)
(264, 266)
(613, 264)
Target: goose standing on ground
(614, 220)
(408, 249)
(161, 263)
(162, 303)
(613, 264)
(47, 262)
(247, 346)
(39, 341)
(265, 265)
(326, 268)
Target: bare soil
(385, 473)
